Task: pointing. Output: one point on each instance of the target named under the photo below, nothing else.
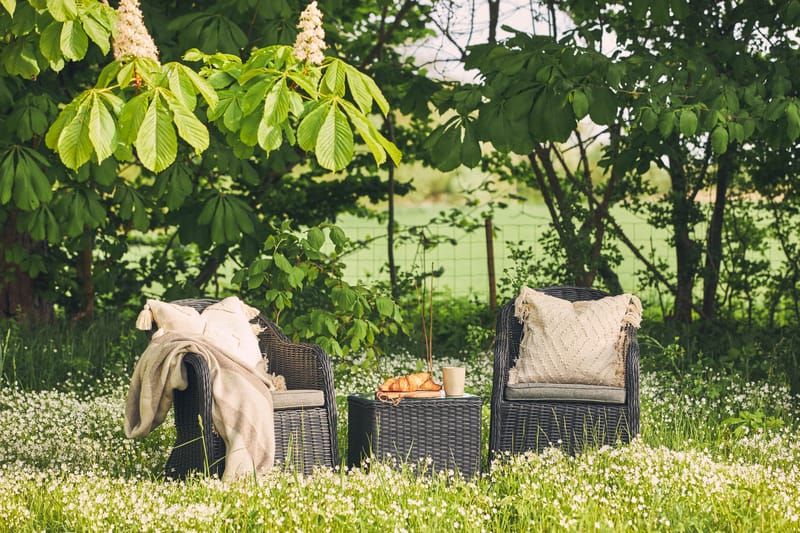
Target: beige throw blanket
(242, 410)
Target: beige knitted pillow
(226, 324)
(573, 342)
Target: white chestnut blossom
(132, 38)
(311, 40)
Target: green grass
(66, 466)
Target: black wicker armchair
(304, 436)
(572, 424)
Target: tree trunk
(725, 171)
(685, 248)
(18, 297)
(83, 270)
(560, 209)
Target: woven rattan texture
(446, 430)
(304, 438)
(517, 426)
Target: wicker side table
(448, 430)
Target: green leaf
(343, 297)
(688, 122)
(550, 118)
(242, 214)
(7, 172)
(125, 74)
(316, 238)
(248, 133)
(367, 132)
(132, 115)
(666, 123)
(233, 115)
(334, 149)
(659, 11)
(190, 128)
(276, 105)
(649, 120)
(792, 121)
(97, 31)
(445, 148)
(64, 117)
(102, 129)
(10, 5)
(580, 104)
(305, 82)
(255, 94)
(719, 140)
(62, 10)
(181, 87)
(358, 89)
(391, 149)
(149, 71)
(735, 132)
(208, 210)
(50, 43)
(385, 306)
(74, 142)
(309, 128)
(281, 262)
(334, 79)
(377, 95)
(156, 142)
(603, 109)
(74, 42)
(270, 138)
(680, 8)
(338, 237)
(202, 86)
(19, 57)
(31, 186)
(470, 149)
(519, 105)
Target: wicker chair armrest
(199, 403)
(303, 365)
(506, 351)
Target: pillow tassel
(633, 314)
(250, 311)
(523, 306)
(145, 319)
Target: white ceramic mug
(453, 378)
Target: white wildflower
(132, 38)
(311, 40)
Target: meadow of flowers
(715, 454)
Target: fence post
(490, 263)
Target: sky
(441, 54)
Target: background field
(465, 264)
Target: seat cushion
(295, 399)
(559, 392)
